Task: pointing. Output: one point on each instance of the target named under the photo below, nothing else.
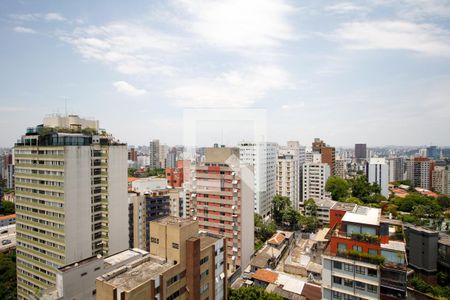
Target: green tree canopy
(8, 285)
(338, 187)
(354, 200)
(362, 189)
(310, 207)
(279, 204)
(291, 216)
(8, 207)
(251, 293)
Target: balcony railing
(361, 256)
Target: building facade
(314, 178)
(396, 167)
(71, 191)
(182, 264)
(377, 172)
(419, 172)
(262, 157)
(221, 201)
(363, 260)
(154, 159)
(440, 180)
(327, 152)
(360, 151)
(288, 175)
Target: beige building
(222, 203)
(440, 180)
(181, 265)
(71, 191)
(288, 174)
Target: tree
(291, 216)
(362, 189)
(308, 223)
(8, 284)
(8, 207)
(279, 204)
(251, 293)
(310, 207)
(263, 231)
(444, 201)
(353, 200)
(338, 187)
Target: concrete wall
(77, 203)
(247, 216)
(118, 198)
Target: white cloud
(124, 87)
(426, 39)
(24, 29)
(239, 88)
(129, 48)
(345, 7)
(239, 24)
(54, 17)
(417, 9)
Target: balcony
(361, 256)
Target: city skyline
(372, 70)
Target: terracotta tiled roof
(276, 239)
(131, 179)
(265, 275)
(7, 217)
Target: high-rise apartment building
(433, 152)
(155, 162)
(361, 151)
(142, 209)
(132, 154)
(340, 168)
(365, 257)
(440, 180)
(288, 174)
(377, 172)
(263, 157)
(182, 264)
(314, 179)
(163, 151)
(419, 172)
(396, 167)
(71, 194)
(328, 153)
(222, 202)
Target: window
(83, 274)
(360, 285)
(337, 280)
(373, 252)
(348, 282)
(342, 247)
(204, 274)
(175, 246)
(348, 268)
(96, 269)
(204, 288)
(372, 288)
(372, 272)
(337, 295)
(357, 248)
(204, 260)
(175, 278)
(337, 265)
(360, 270)
(154, 240)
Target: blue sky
(364, 71)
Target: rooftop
(277, 238)
(344, 206)
(363, 215)
(172, 220)
(129, 277)
(394, 246)
(444, 239)
(265, 275)
(7, 217)
(207, 239)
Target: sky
(376, 72)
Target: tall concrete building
(433, 152)
(155, 162)
(341, 168)
(396, 167)
(222, 203)
(288, 173)
(419, 172)
(314, 178)
(361, 151)
(71, 194)
(377, 172)
(182, 264)
(263, 157)
(328, 153)
(440, 180)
